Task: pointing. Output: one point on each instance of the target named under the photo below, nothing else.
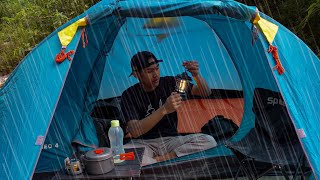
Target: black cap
(140, 61)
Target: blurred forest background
(24, 23)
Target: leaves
(313, 10)
(300, 16)
(24, 23)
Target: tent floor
(223, 167)
(209, 168)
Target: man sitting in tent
(149, 109)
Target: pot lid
(99, 154)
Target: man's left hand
(192, 67)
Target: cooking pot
(98, 161)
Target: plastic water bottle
(115, 134)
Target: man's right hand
(173, 102)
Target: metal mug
(73, 166)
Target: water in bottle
(115, 134)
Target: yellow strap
(256, 19)
(268, 29)
(66, 35)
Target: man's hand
(192, 67)
(139, 127)
(172, 103)
(202, 88)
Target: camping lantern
(182, 83)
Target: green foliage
(24, 23)
(313, 12)
(300, 16)
(311, 22)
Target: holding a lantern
(202, 88)
(183, 81)
(149, 109)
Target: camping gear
(271, 113)
(182, 84)
(115, 135)
(282, 146)
(103, 113)
(45, 106)
(98, 161)
(183, 81)
(127, 156)
(73, 166)
(220, 128)
(101, 126)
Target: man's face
(150, 76)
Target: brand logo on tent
(273, 101)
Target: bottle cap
(115, 123)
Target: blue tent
(45, 106)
